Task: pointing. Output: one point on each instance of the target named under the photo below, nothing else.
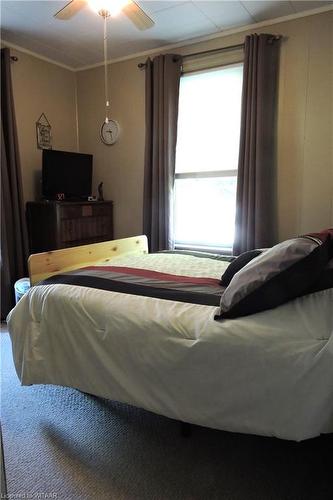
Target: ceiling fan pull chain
(107, 103)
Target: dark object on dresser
(53, 225)
(100, 192)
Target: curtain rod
(211, 51)
(193, 54)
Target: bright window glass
(203, 207)
(207, 158)
(209, 120)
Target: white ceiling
(79, 41)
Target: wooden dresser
(62, 224)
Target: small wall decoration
(43, 131)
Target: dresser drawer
(86, 228)
(84, 210)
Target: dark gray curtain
(13, 229)
(162, 91)
(256, 185)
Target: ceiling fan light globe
(106, 8)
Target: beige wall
(120, 166)
(305, 171)
(39, 87)
(305, 163)
(305, 132)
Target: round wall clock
(110, 132)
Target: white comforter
(269, 374)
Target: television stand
(62, 224)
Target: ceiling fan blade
(138, 16)
(70, 9)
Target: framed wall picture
(43, 133)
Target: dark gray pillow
(237, 264)
(286, 271)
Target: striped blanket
(195, 290)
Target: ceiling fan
(108, 8)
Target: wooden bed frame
(46, 264)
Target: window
(207, 158)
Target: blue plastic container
(21, 287)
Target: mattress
(269, 374)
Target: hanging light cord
(107, 102)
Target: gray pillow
(282, 273)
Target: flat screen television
(66, 174)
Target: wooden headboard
(43, 265)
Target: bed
(270, 373)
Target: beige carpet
(60, 443)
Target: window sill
(202, 248)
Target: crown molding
(184, 43)
(35, 54)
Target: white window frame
(205, 175)
(208, 174)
